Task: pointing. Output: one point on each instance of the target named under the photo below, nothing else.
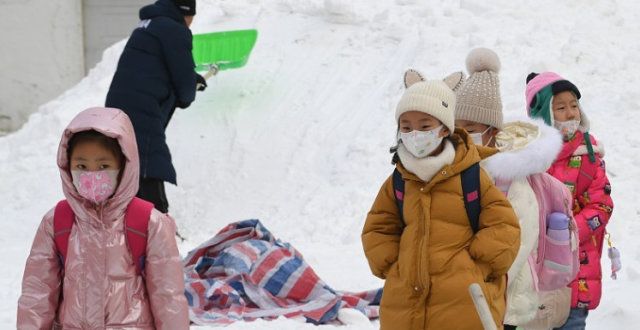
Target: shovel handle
(213, 70)
(482, 307)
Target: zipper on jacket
(422, 222)
(423, 252)
(104, 251)
(418, 285)
(101, 215)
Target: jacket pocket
(399, 298)
(481, 274)
(480, 271)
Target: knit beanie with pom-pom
(478, 99)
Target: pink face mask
(95, 186)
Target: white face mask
(95, 186)
(421, 143)
(477, 137)
(567, 128)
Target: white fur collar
(425, 168)
(535, 156)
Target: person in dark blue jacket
(155, 75)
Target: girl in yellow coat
(430, 255)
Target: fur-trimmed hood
(527, 146)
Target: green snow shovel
(225, 50)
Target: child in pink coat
(97, 285)
(581, 168)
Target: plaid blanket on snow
(244, 273)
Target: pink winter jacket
(99, 287)
(592, 210)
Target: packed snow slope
(299, 137)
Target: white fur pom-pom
(482, 59)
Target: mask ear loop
(485, 132)
(492, 138)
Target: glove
(182, 105)
(201, 83)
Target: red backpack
(136, 222)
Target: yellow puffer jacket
(430, 263)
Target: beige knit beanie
(433, 97)
(478, 99)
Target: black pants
(509, 327)
(152, 190)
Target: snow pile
(299, 137)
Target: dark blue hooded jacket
(154, 75)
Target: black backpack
(470, 190)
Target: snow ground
(299, 137)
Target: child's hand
(201, 83)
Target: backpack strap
(398, 192)
(471, 194)
(62, 222)
(136, 222)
